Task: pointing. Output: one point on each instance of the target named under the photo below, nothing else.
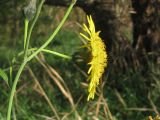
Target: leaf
(56, 53)
(4, 76)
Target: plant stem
(26, 45)
(54, 33)
(27, 59)
(26, 22)
(13, 90)
(31, 28)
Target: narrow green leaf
(56, 53)
(4, 76)
(48, 51)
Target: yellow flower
(99, 56)
(156, 118)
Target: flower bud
(30, 10)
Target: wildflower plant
(31, 16)
(99, 56)
(156, 118)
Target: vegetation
(56, 87)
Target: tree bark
(146, 23)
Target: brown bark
(146, 23)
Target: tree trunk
(146, 23)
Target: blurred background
(52, 88)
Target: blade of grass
(4, 76)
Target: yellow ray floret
(99, 56)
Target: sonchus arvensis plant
(98, 60)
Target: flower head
(99, 56)
(156, 118)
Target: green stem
(26, 44)
(27, 59)
(13, 90)
(48, 51)
(31, 28)
(54, 33)
(18, 74)
(26, 22)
